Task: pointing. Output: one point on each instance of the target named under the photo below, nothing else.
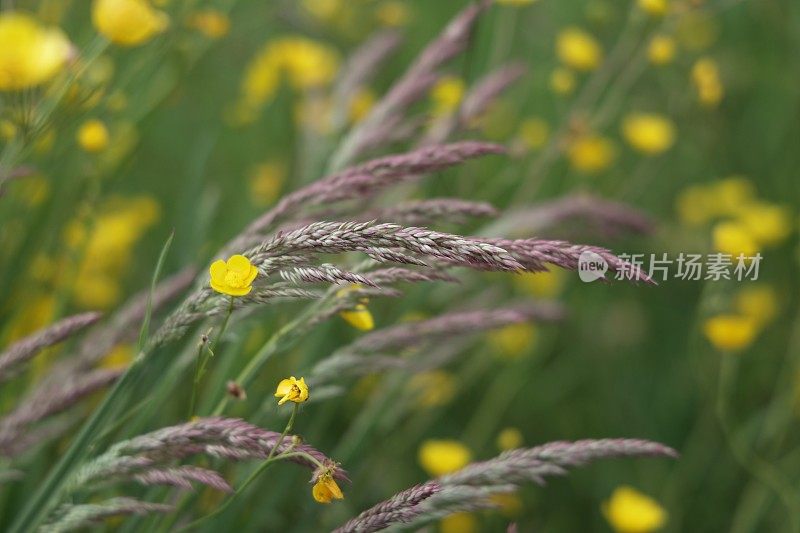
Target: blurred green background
(629, 361)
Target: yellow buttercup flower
(562, 81)
(359, 315)
(210, 22)
(514, 340)
(591, 153)
(661, 50)
(630, 511)
(128, 22)
(509, 439)
(731, 332)
(440, 457)
(432, 388)
(30, 54)
(360, 104)
(578, 50)
(543, 284)
(234, 277)
(447, 94)
(292, 390)
(730, 196)
(649, 133)
(93, 136)
(656, 8)
(734, 238)
(266, 181)
(326, 489)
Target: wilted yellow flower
(707, 83)
(509, 439)
(93, 136)
(759, 302)
(440, 457)
(734, 238)
(656, 8)
(630, 511)
(533, 132)
(292, 390)
(649, 133)
(458, 523)
(731, 332)
(30, 54)
(446, 95)
(769, 224)
(359, 316)
(432, 388)
(514, 340)
(326, 489)
(661, 50)
(210, 22)
(266, 181)
(578, 49)
(234, 277)
(128, 22)
(591, 153)
(393, 14)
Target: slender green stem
(271, 458)
(205, 352)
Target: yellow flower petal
(218, 270)
(239, 263)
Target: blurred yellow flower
(128, 22)
(359, 316)
(731, 332)
(533, 132)
(432, 388)
(326, 489)
(759, 302)
(509, 439)
(234, 276)
(649, 133)
(322, 9)
(661, 50)
(119, 357)
(578, 50)
(210, 22)
(734, 238)
(458, 523)
(510, 503)
(93, 136)
(306, 64)
(30, 54)
(447, 94)
(562, 81)
(514, 340)
(630, 511)
(769, 224)
(544, 284)
(361, 104)
(393, 14)
(515, 2)
(707, 83)
(292, 390)
(8, 130)
(266, 181)
(591, 153)
(656, 8)
(440, 457)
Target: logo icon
(591, 266)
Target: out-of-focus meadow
(679, 117)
